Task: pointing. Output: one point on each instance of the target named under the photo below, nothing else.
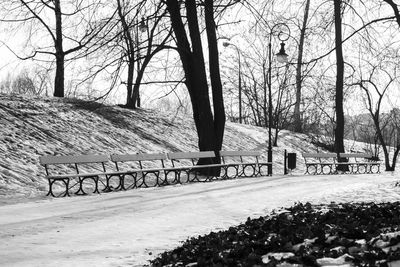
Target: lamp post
(142, 27)
(283, 32)
(226, 44)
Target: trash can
(291, 160)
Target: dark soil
(363, 234)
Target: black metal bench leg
(96, 182)
(107, 188)
(50, 193)
(80, 189)
(52, 181)
(66, 181)
(82, 179)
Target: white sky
(9, 64)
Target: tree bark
(130, 103)
(339, 131)
(218, 99)
(60, 55)
(297, 114)
(395, 8)
(210, 129)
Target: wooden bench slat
(138, 157)
(227, 153)
(191, 155)
(45, 160)
(319, 155)
(355, 155)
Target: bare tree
(395, 8)
(132, 28)
(210, 125)
(299, 75)
(339, 129)
(63, 39)
(381, 77)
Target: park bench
(187, 166)
(149, 170)
(320, 163)
(243, 164)
(77, 169)
(360, 163)
(144, 169)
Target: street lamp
(283, 32)
(226, 44)
(142, 27)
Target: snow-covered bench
(360, 163)
(243, 164)
(320, 163)
(77, 169)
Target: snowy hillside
(32, 127)
(129, 228)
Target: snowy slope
(32, 127)
(131, 227)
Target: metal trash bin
(291, 160)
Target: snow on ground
(129, 228)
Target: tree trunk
(297, 114)
(60, 56)
(130, 100)
(339, 131)
(218, 99)
(209, 131)
(198, 88)
(381, 139)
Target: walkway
(128, 228)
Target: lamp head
(143, 25)
(281, 56)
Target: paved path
(128, 228)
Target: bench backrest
(137, 160)
(192, 157)
(224, 153)
(319, 155)
(137, 157)
(355, 155)
(70, 163)
(239, 154)
(48, 160)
